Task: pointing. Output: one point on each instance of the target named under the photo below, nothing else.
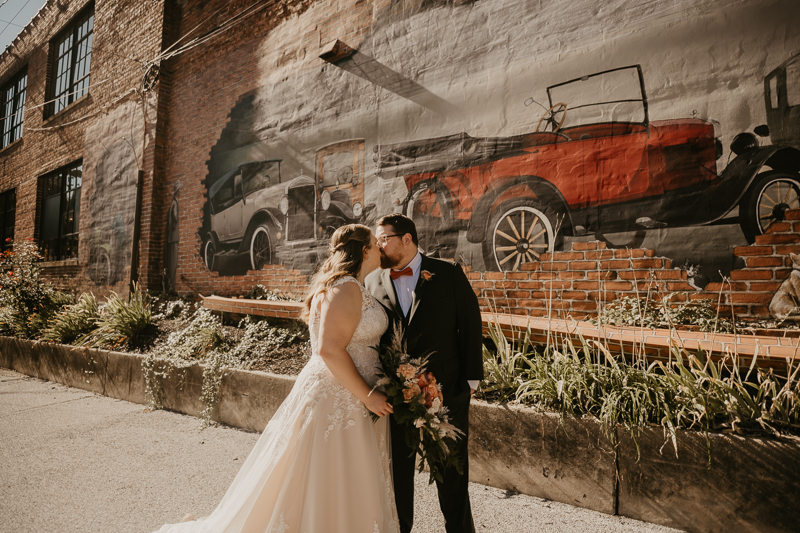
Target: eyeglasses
(382, 240)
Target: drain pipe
(137, 230)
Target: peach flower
(406, 371)
(410, 392)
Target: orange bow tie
(400, 273)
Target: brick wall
(125, 35)
(578, 282)
(291, 283)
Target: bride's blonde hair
(345, 259)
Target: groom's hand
(471, 392)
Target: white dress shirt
(404, 287)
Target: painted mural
(113, 147)
(518, 131)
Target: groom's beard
(389, 261)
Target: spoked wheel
(429, 207)
(100, 271)
(260, 248)
(519, 231)
(771, 195)
(209, 253)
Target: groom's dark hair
(401, 224)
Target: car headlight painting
(325, 200)
(283, 205)
(357, 209)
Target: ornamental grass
(576, 377)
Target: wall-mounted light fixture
(335, 51)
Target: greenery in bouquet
(418, 406)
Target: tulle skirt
(321, 466)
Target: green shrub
(120, 322)
(74, 321)
(27, 303)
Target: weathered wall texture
(434, 111)
(679, 133)
(102, 129)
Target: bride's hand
(376, 402)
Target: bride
(322, 465)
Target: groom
(439, 313)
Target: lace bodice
(366, 337)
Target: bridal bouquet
(417, 401)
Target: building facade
(514, 133)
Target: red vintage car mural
(595, 164)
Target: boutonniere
(426, 275)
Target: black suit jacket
(444, 320)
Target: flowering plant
(418, 405)
(426, 275)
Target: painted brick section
(578, 290)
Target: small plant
(173, 308)
(74, 321)
(647, 313)
(120, 322)
(260, 340)
(202, 341)
(259, 292)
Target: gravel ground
(75, 461)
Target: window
(8, 207)
(72, 55)
(60, 208)
(13, 108)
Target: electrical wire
(88, 115)
(15, 16)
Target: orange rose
(422, 381)
(432, 391)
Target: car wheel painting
(428, 206)
(519, 231)
(260, 248)
(100, 272)
(209, 253)
(771, 195)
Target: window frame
(14, 133)
(4, 214)
(63, 93)
(67, 181)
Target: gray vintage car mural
(313, 208)
(245, 220)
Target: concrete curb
(751, 484)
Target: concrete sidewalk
(75, 461)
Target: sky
(14, 15)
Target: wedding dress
(322, 465)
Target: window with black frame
(8, 209)
(72, 57)
(60, 213)
(13, 108)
